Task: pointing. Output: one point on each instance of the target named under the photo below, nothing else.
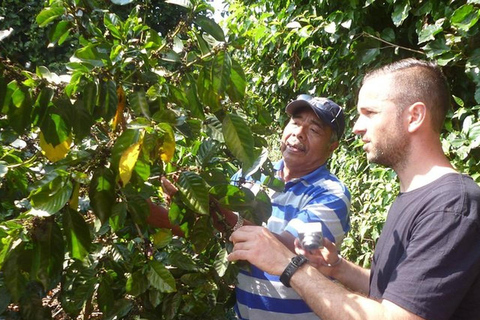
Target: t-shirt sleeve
(438, 266)
(331, 210)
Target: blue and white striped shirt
(316, 197)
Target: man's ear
(417, 114)
(333, 146)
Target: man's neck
(421, 172)
(288, 174)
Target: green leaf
(15, 267)
(42, 104)
(137, 283)
(119, 214)
(138, 208)
(55, 129)
(233, 197)
(5, 299)
(221, 262)
(263, 208)
(428, 33)
(102, 193)
(194, 104)
(89, 96)
(208, 149)
(211, 27)
(183, 261)
(5, 94)
(201, 235)
(60, 31)
(400, 13)
(237, 84)
(436, 48)
(194, 192)
(92, 56)
(105, 296)
(222, 64)
(49, 14)
(48, 254)
(84, 121)
(52, 195)
(477, 95)
(465, 17)
(239, 139)
(162, 238)
(139, 103)
(160, 278)
(202, 44)
(77, 234)
(19, 114)
(206, 93)
(114, 24)
(142, 169)
(108, 99)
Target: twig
(365, 34)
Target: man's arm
(331, 301)
(330, 264)
(327, 299)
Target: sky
(218, 5)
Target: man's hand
(324, 259)
(261, 248)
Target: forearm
(333, 301)
(352, 276)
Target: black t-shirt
(427, 259)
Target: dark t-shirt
(427, 259)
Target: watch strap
(293, 266)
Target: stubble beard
(391, 151)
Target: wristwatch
(293, 266)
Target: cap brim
(294, 105)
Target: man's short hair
(418, 81)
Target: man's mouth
(296, 147)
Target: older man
(427, 260)
(312, 194)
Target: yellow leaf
(167, 150)
(119, 118)
(55, 153)
(74, 197)
(127, 161)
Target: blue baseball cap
(327, 110)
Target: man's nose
(300, 132)
(359, 126)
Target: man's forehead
(309, 113)
(375, 91)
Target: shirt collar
(309, 177)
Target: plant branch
(365, 34)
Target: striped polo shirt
(316, 197)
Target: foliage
(324, 48)
(27, 43)
(82, 154)
(121, 93)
